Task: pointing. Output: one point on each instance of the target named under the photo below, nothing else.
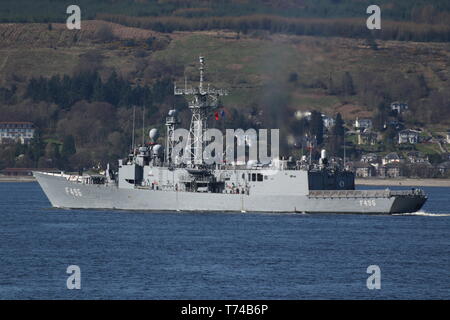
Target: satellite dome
(157, 149)
(153, 134)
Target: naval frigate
(151, 179)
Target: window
(253, 176)
(260, 177)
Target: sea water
(142, 255)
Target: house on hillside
(391, 158)
(363, 124)
(390, 170)
(328, 122)
(302, 114)
(367, 137)
(408, 136)
(417, 157)
(444, 168)
(16, 132)
(370, 158)
(363, 170)
(399, 107)
(397, 125)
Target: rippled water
(136, 255)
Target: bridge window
(253, 176)
(260, 177)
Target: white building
(408, 136)
(391, 158)
(400, 107)
(13, 132)
(302, 114)
(363, 124)
(328, 122)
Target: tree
(68, 147)
(348, 88)
(316, 126)
(380, 117)
(338, 129)
(337, 136)
(36, 148)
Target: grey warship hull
(186, 176)
(73, 195)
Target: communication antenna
(344, 152)
(143, 124)
(132, 136)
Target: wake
(424, 214)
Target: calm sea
(137, 255)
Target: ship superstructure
(155, 178)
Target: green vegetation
(78, 87)
(428, 11)
(421, 21)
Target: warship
(152, 177)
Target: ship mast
(202, 102)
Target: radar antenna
(203, 101)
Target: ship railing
(187, 178)
(412, 192)
(364, 193)
(349, 193)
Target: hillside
(269, 75)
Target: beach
(17, 179)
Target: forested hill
(418, 20)
(278, 58)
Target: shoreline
(403, 182)
(17, 179)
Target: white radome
(153, 134)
